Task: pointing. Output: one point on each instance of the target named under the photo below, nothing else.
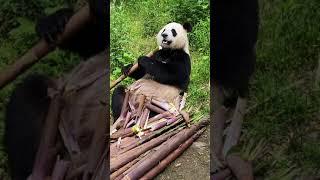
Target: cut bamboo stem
(171, 157)
(122, 159)
(172, 144)
(45, 156)
(154, 108)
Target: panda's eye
(174, 32)
(163, 30)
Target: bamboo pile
(142, 146)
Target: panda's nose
(164, 35)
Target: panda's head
(174, 35)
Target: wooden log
(171, 157)
(170, 145)
(122, 159)
(42, 48)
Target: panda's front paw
(144, 61)
(126, 69)
(51, 26)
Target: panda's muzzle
(164, 41)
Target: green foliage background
(282, 131)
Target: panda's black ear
(187, 26)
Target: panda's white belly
(152, 88)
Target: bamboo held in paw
(133, 68)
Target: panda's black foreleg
(117, 101)
(24, 119)
(166, 73)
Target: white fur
(179, 42)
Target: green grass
(288, 50)
(134, 25)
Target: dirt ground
(192, 164)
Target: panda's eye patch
(174, 32)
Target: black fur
(234, 35)
(24, 118)
(117, 101)
(28, 105)
(166, 66)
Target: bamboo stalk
(120, 171)
(153, 135)
(45, 156)
(122, 159)
(141, 102)
(240, 168)
(159, 116)
(127, 119)
(42, 48)
(60, 169)
(154, 108)
(133, 68)
(171, 157)
(122, 133)
(170, 145)
(143, 117)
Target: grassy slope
(288, 121)
(134, 25)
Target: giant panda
(28, 104)
(166, 74)
(234, 36)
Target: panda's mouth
(166, 42)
